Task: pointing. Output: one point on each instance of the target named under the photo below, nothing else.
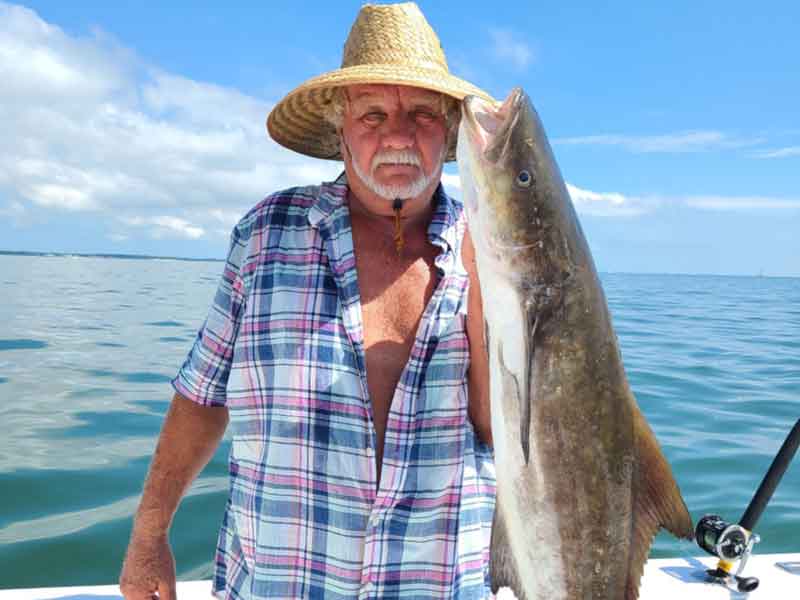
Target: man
(338, 344)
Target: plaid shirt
(283, 349)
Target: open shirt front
(283, 348)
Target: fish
(582, 483)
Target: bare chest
(394, 291)
(394, 294)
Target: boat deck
(664, 579)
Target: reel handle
(746, 584)
(743, 584)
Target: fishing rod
(733, 543)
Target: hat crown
(393, 34)
(388, 44)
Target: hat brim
(298, 121)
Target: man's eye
(373, 117)
(424, 115)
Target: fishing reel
(733, 543)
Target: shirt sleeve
(203, 378)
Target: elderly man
(340, 347)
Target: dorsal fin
(657, 502)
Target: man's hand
(188, 438)
(149, 569)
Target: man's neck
(414, 213)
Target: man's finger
(136, 593)
(166, 591)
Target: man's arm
(478, 376)
(189, 437)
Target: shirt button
(375, 519)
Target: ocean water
(88, 346)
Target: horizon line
(105, 255)
(191, 259)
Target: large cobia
(582, 485)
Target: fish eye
(524, 178)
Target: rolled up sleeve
(203, 378)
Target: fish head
(518, 208)
(495, 154)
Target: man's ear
(453, 121)
(344, 149)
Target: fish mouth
(490, 123)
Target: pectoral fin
(511, 382)
(523, 389)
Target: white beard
(390, 192)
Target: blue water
(88, 345)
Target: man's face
(396, 137)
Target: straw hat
(391, 44)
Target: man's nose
(399, 130)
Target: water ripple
(714, 363)
(166, 324)
(22, 344)
(67, 523)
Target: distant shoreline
(187, 259)
(105, 255)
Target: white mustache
(395, 157)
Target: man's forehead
(376, 91)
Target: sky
(138, 127)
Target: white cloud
(615, 204)
(226, 217)
(608, 204)
(166, 226)
(89, 127)
(452, 184)
(587, 202)
(60, 196)
(507, 47)
(742, 203)
(38, 59)
(687, 141)
(451, 180)
(779, 153)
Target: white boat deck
(685, 578)
(664, 579)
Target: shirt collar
(332, 196)
(442, 229)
